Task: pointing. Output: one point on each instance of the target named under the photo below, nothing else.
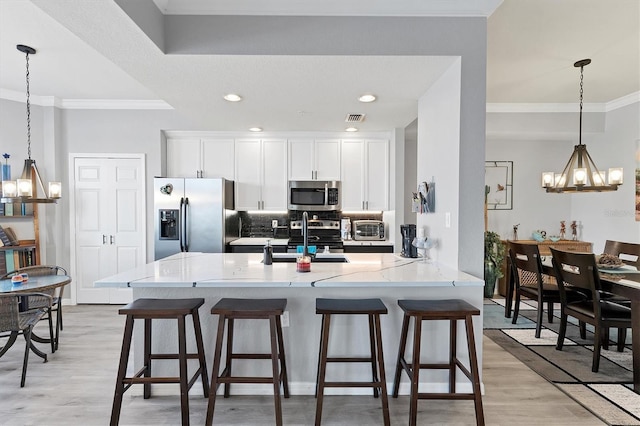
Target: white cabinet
(200, 157)
(261, 174)
(365, 174)
(314, 159)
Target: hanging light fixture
(581, 174)
(25, 189)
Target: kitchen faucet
(305, 234)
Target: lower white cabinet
(365, 174)
(261, 174)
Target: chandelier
(25, 189)
(581, 174)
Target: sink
(319, 258)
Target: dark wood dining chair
(579, 271)
(56, 297)
(531, 282)
(629, 253)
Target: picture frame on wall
(498, 180)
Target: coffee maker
(408, 233)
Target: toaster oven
(368, 230)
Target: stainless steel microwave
(314, 195)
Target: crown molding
(623, 101)
(52, 101)
(114, 104)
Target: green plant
(494, 251)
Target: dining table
(34, 284)
(624, 282)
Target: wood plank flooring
(76, 388)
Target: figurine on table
(574, 230)
(563, 229)
(515, 232)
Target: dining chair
(14, 322)
(629, 253)
(579, 271)
(531, 282)
(56, 297)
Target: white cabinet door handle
(104, 239)
(111, 239)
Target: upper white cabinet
(200, 158)
(261, 174)
(314, 159)
(365, 174)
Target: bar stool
(373, 308)
(149, 309)
(452, 310)
(230, 310)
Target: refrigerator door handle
(181, 224)
(186, 224)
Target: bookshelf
(22, 219)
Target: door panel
(109, 224)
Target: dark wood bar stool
(230, 310)
(149, 309)
(373, 308)
(452, 310)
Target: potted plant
(493, 256)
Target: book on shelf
(12, 236)
(4, 237)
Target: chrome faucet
(305, 234)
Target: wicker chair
(56, 297)
(13, 322)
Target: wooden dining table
(623, 282)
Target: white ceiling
(532, 44)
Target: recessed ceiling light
(255, 129)
(351, 129)
(232, 97)
(367, 98)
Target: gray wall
(538, 142)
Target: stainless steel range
(323, 231)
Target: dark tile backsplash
(258, 225)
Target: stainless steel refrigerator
(193, 215)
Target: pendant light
(581, 174)
(25, 189)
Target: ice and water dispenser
(169, 224)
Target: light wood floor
(76, 388)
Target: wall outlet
(285, 319)
(274, 223)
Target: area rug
(607, 394)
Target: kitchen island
(387, 276)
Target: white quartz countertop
(247, 270)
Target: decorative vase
(490, 278)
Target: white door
(301, 165)
(377, 184)
(353, 175)
(184, 157)
(274, 175)
(327, 159)
(109, 233)
(218, 158)
(248, 168)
